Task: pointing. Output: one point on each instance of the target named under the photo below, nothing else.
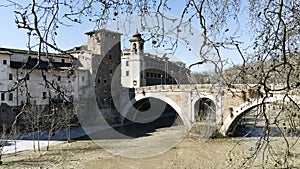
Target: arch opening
(204, 110)
(251, 122)
(138, 124)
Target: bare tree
(272, 58)
(3, 142)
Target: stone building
(98, 69)
(87, 68)
(144, 69)
(100, 59)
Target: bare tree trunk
(3, 141)
(15, 139)
(52, 129)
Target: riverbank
(189, 153)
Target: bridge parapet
(205, 87)
(230, 101)
(182, 88)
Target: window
(11, 96)
(109, 57)
(58, 78)
(44, 95)
(2, 96)
(10, 76)
(99, 81)
(4, 62)
(134, 47)
(127, 73)
(105, 81)
(105, 90)
(62, 60)
(127, 63)
(82, 78)
(110, 71)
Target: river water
(165, 140)
(163, 143)
(151, 147)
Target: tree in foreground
(270, 55)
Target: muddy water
(188, 153)
(160, 144)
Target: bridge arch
(217, 104)
(204, 109)
(231, 121)
(162, 98)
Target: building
(99, 62)
(27, 78)
(144, 69)
(24, 77)
(34, 81)
(82, 72)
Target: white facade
(133, 71)
(133, 65)
(20, 84)
(5, 75)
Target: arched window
(134, 47)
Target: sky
(69, 37)
(12, 37)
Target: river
(159, 144)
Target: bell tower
(137, 44)
(133, 64)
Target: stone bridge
(224, 105)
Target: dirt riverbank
(189, 153)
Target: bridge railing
(186, 87)
(189, 87)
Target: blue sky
(69, 37)
(12, 37)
